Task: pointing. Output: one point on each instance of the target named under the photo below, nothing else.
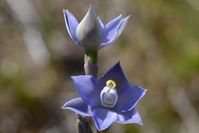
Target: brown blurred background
(159, 50)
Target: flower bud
(88, 31)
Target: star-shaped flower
(107, 100)
(91, 33)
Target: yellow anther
(110, 83)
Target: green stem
(90, 62)
(91, 55)
(83, 125)
(90, 67)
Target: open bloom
(91, 33)
(107, 100)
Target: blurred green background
(159, 50)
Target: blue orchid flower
(91, 33)
(107, 100)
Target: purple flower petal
(78, 106)
(114, 30)
(100, 22)
(88, 88)
(129, 97)
(101, 27)
(131, 116)
(110, 31)
(122, 26)
(113, 23)
(103, 118)
(116, 74)
(71, 25)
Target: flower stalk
(83, 125)
(90, 62)
(90, 68)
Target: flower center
(109, 94)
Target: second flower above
(91, 33)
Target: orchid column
(111, 98)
